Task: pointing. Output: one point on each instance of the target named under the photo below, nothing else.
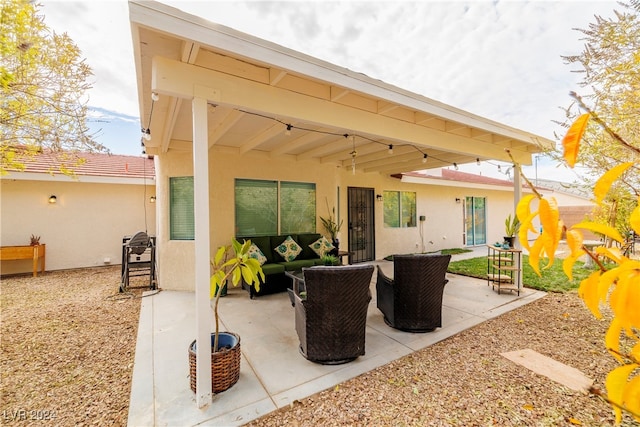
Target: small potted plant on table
(511, 226)
(225, 346)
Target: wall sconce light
(458, 200)
(379, 197)
(152, 199)
(53, 199)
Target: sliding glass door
(475, 220)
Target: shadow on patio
(273, 372)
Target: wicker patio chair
(332, 319)
(412, 300)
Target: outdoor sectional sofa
(275, 266)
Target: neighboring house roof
(452, 178)
(94, 167)
(563, 187)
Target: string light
(353, 153)
(478, 161)
(146, 132)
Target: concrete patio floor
(273, 373)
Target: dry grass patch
(67, 350)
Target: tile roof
(452, 175)
(94, 164)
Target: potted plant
(328, 259)
(333, 227)
(511, 226)
(231, 264)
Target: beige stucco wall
(82, 229)
(443, 228)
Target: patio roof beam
(183, 80)
(223, 127)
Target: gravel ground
(68, 342)
(67, 349)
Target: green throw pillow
(288, 249)
(255, 252)
(321, 246)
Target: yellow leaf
(534, 254)
(615, 383)
(604, 182)
(551, 244)
(219, 255)
(549, 215)
(612, 253)
(575, 422)
(634, 219)
(606, 281)
(523, 212)
(567, 264)
(612, 338)
(631, 396)
(588, 291)
(635, 351)
(527, 407)
(574, 241)
(523, 232)
(601, 229)
(571, 141)
(625, 298)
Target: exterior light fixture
(478, 161)
(379, 197)
(455, 166)
(146, 134)
(154, 96)
(152, 199)
(53, 199)
(288, 131)
(424, 158)
(390, 148)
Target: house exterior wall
(443, 228)
(82, 229)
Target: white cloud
(500, 60)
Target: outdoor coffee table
(298, 284)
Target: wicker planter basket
(225, 365)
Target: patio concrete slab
(273, 373)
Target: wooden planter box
(36, 252)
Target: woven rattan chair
(412, 300)
(332, 319)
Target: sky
(501, 59)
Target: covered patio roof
(267, 100)
(204, 89)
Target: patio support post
(202, 251)
(517, 195)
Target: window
(181, 220)
(266, 208)
(399, 209)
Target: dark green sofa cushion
(304, 240)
